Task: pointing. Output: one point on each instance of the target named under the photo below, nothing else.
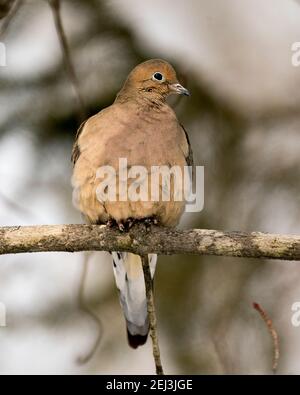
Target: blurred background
(243, 120)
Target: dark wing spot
(75, 153)
(189, 158)
(114, 263)
(76, 150)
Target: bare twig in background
(220, 342)
(83, 306)
(151, 314)
(24, 211)
(9, 12)
(55, 6)
(71, 238)
(273, 334)
(5, 6)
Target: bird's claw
(125, 226)
(111, 223)
(148, 222)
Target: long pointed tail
(129, 277)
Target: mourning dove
(143, 129)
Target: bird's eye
(158, 77)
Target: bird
(142, 127)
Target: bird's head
(154, 79)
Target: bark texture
(141, 240)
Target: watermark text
(155, 184)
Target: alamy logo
(295, 48)
(2, 315)
(157, 183)
(2, 55)
(296, 316)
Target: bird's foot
(123, 225)
(126, 225)
(148, 222)
(129, 223)
(111, 223)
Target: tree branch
(152, 314)
(138, 240)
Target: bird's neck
(151, 101)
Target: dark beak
(179, 89)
